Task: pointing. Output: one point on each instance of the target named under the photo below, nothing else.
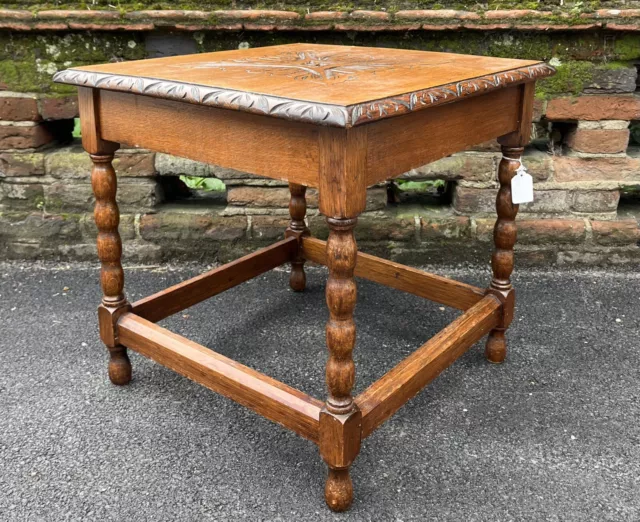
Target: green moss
(612, 66)
(627, 47)
(571, 78)
(27, 61)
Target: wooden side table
(338, 119)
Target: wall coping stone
(356, 20)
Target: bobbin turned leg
(114, 303)
(504, 237)
(107, 218)
(340, 421)
(298, 228)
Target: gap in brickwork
(193, 190)
(634, 137)
(559, 136)
(629, 205)
(432, 193)
(62, 131)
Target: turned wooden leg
(340, 420)
(114, 303)
(504, 237)
(297, 227)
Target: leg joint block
(340, 437)
(108, 320)
(508, 300)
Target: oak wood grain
(323, 84)
(297, 228)
(89, 108)
(188, 293)
(502, 259)
(398, 145)
(418, 282)
(340, 423)
(109, 245)
(251, 143)
(343, 164)
(272, 399)
(384, 397)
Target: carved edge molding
(415, 101)
(297, 110)
(294, 110)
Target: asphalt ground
(552, 434)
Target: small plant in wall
(204, 184)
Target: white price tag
(521, 186)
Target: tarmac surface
(552, 434)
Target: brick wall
(585, 163)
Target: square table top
(323, 84)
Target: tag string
(521, 168)
(519, 160)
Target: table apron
(292, 151)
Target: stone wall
(585, 156)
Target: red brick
(384, 227)
(609, 233)
(470, 167)
(19, 137)
(618, 13)
(16, 14)
(64, 108)
(185, 227)
(593, 201)
(515, 14)
(89, 26)
(623, 27)
(537, 231)
(442, 27)
(365, 27)
(445, 228)
(269, 227)
(539, 164)
(265, 197)
(49, 26)
(594, 108)
(18, 109)
(484, 228)
(21, 164)
(326, 16)
(168, 14)
(64, 14)
(135, 165)
(539, 108)
(473, 200)
(597, 169)
(257, 14)
(436, 14)
(599, 141)
(375, 16)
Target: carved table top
(323, 84)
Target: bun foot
(496, 347)
(119, 366)
(298, 279)
(338, 491)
